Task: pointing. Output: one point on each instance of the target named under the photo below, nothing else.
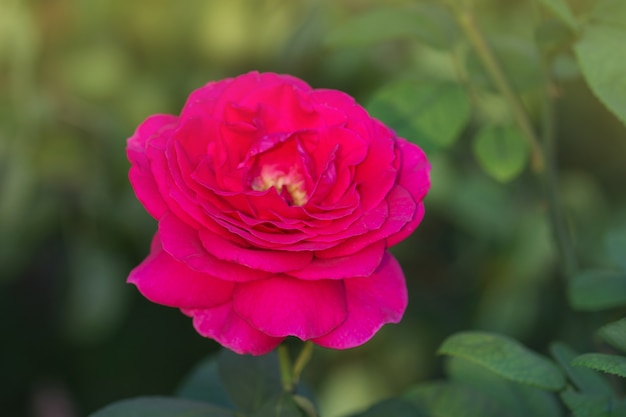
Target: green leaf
(612, 364)
(587, 405)
(283, 406)
(203, 384)
(585, 379)
(597, 290)
(506, 357)
(434, 111)
(615, 242)
(161, 407)
(614, 334)
(396, 407)
(610, 13)
(429, 23)
(519, 400)
(501, 151)
(250, 381)
(561, 9)
(441, 399)
(603, 66)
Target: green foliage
(597, 55)
(501, 151)
(161, 407)
(614, 334)
(588, 405)
(396, 407)
(595, 290)
(612, 364)
(506, 357)
(561, 9)
(586, 380)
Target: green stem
(303, 358)
(285, 368)
(470, 28)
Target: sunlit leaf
(506, 357)
(597, 290)
(161, 407)
(435, 111)
(586, 380)
(612, 364)
(562, 10)
(615, 334)
(501, 151)
(602, 67)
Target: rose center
(291, 181)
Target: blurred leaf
(612, 364)
(597, 290)
(439, 399)
(519, 400)
(250, 381)
(501, 151)
(561, 9)
(429, 23)
(396, 407)
(615, 242)
(435, 111)
(602, 68)
(506, 357)
(610, 13)
(519, 60)
(283, 406)
(586, 405)
(203, 384)
(160, 407)
(585, 379)
(615, 334)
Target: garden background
(77, 77)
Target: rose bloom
(276, 204)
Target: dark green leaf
(396, 407)
(283, 406)
(435, 111)
(501, 151)
(161, 407)
(429, 23)
(615, 334)
(441, 399)
(561, 9)
(519, 400)
(597, 290)
(587, 405)
(506, 357)
(586, 380)
(603, 67)
(615, 242)
(203, 383)
(612, 364)
(250, 381)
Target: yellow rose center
(291, 181)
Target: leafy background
(77, 77)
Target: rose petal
(372, 302)
(360, 264)
(231, 331)
(183, 243)
(284, 306)
(266, 260)
(162, 279)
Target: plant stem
(468, 23)
(285, 367)
(303, 358)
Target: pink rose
(276, 204)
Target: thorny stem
(468, 23)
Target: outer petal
(360, 264)
(163, 280)
(372, 301)
(140, 175)
(284, 306)
(228, 329)
(183, 243)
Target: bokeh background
(77, 77)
